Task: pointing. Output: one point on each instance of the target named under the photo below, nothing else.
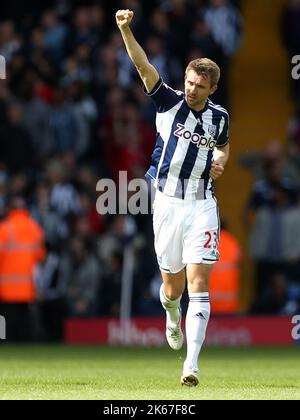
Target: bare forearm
(221, 155)
(134, 50)
(147, 72)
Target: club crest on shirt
(212, 129)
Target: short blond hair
(206, 68)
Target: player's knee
(198, 284)
(173, 294)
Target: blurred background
(73, 111)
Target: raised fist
(123, 18)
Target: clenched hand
(216, 170)
(124, 17)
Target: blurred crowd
(73, 111)
(272, 214)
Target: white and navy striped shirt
(185, 141)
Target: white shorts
(185, 232)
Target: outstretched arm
(147, 72)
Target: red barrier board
(237, 331)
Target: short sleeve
(164, 97)
(223, 138)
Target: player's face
(197, 89)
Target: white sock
(171, 306)
(197, 318)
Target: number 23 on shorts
(212, 240)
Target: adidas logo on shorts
(200, 315)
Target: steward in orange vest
(225, 276)
(21, 248)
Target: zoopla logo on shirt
(197, 139)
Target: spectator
(159, 26)
(273, 154)
(264, 191)
(10, 42)
(112, 284)
(224, 21)
(82, 274)
(64, 198)
(63, 124)
(202, 39)
(36, 120)
(51, 296)
(276, 295)
(54, 35)
(19, 184)
(119, 230)
(21, 239)
(85, 112)
(274, 244)
(14, 137)
(90, 223)
(82, 31)
(180, 18)
(55, 227)
(127, 152)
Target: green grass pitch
(65, 372)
